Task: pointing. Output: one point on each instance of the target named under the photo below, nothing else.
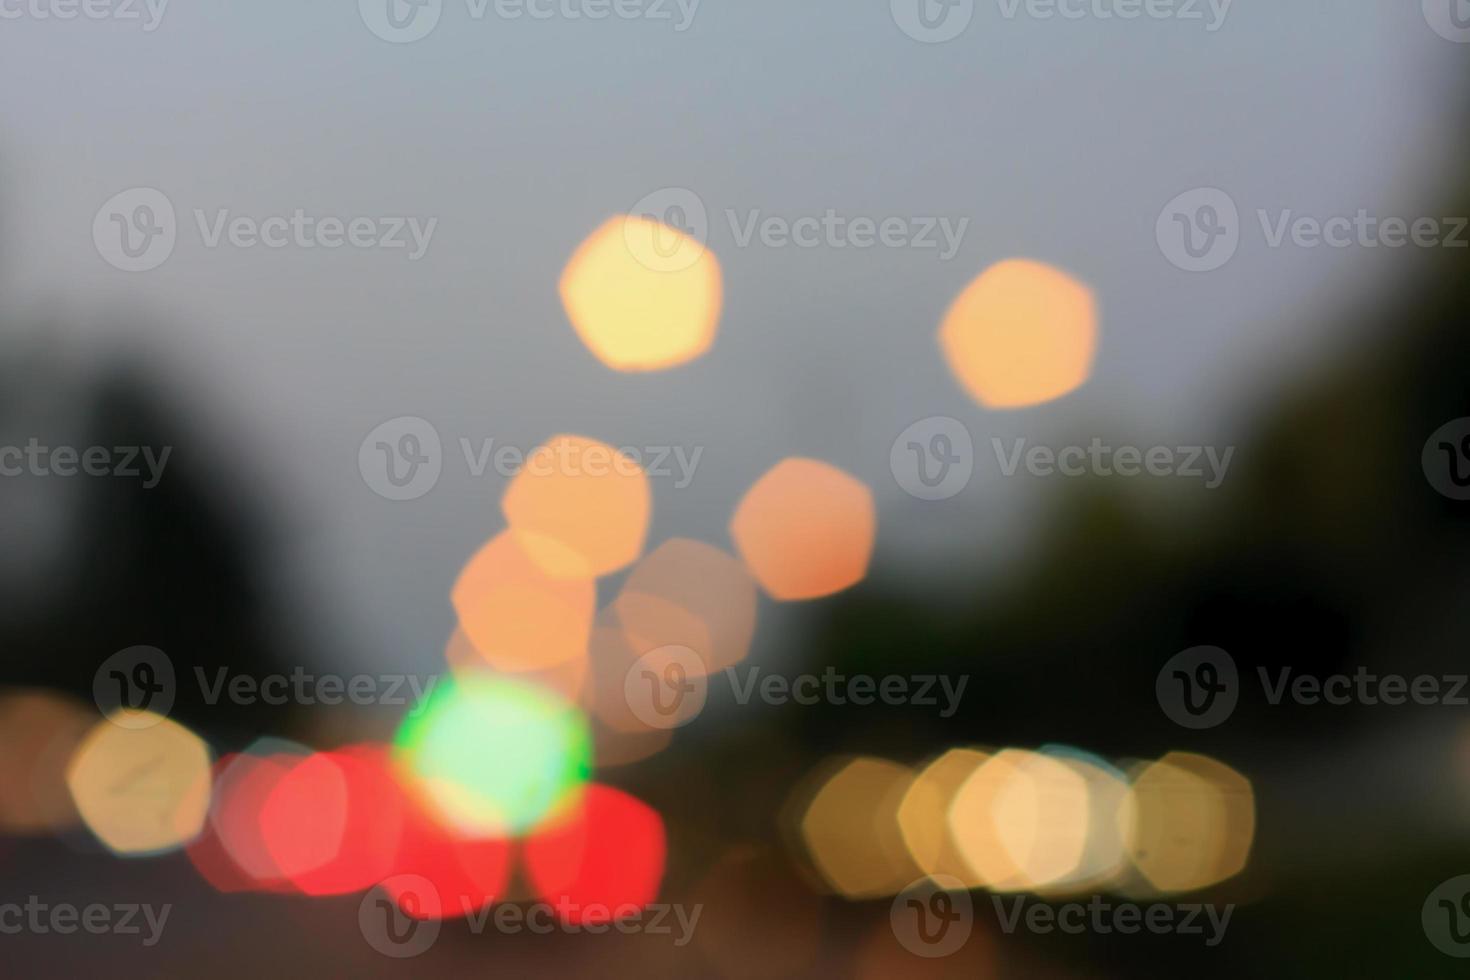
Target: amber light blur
(851, 829)
(40, 732)
(141, 789)
(516, 616)
(643, 296)
(1021, 334)
(1055, 822)
(579, 508)
(806, 529)
(690, 594)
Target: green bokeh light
(493, 756)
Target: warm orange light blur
(923, 816)
(687, 593)
(515, 616)
(1190, 822)
(579, 508)
(624, 691)
(643, 296)
(40, 731)
(141, 790)
(1021, 821)
(1021, 334)
(1104, 860)
(851, 829)
(806, 529)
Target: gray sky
(1059, 140)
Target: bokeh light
(242, 786)
(141, 790)
(690, 594)
(579, 508)
(923, 816)
(40, 731)
(304, 816)
(492, 756)
(603, 859)
(371, 828)
(467, 873)
(1104, 859)
(566, 678)
(625, 689)
(806, 529)
(851, 829)
(1021, 820)
(1021, 334)
(643, 296)
(516, 616)
(1189, 822)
